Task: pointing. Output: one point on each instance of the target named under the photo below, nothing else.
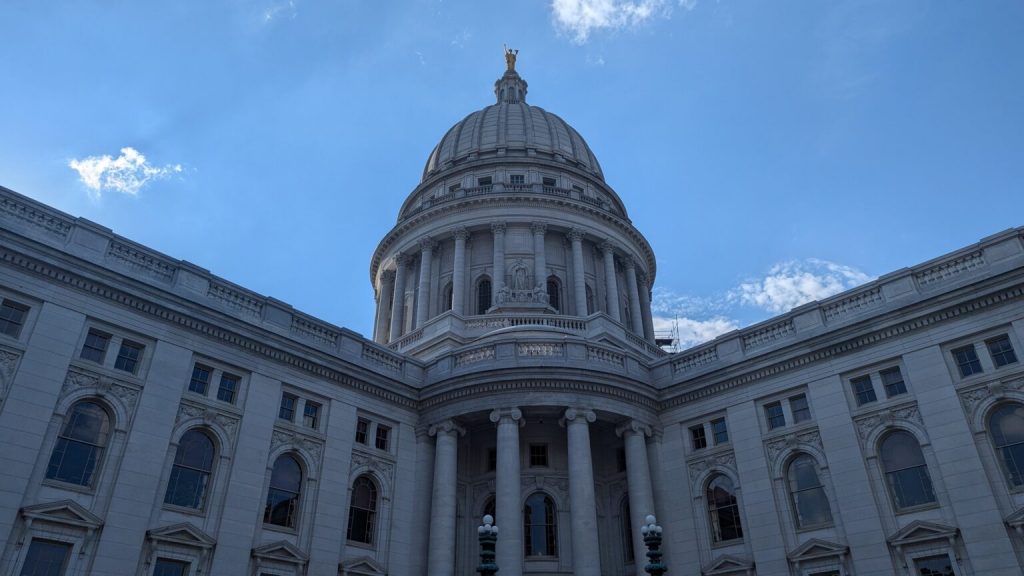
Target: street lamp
(652, 538)
(488, 534)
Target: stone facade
(512, 371)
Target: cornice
(510, 199)
(74, 280)
(519, 384)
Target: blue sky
(772, 152)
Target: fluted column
(611, 287)
(586, 554)
(540, 263)
(645, 307)
(441, 553)
(638, 481)
(459, 271)
(386, 292)
(498, 230)
(579, 281)
(508, 506)
(398, 300)
(636, 316)
(427, 246)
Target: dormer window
(483, 181)
(550, 181)
(454, 188)
(517, 179)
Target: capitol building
(159, 420)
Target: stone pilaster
(385, 293)
(498, 230)
(398, 301)
(636, 314)
(611, 286)
(645, 306)
(579, 281)
(508, 504)
(427, 246)
(540, 265)
(459, 271)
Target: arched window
(627, 532)
(283, 495)
(810, 504)
(540, 533)
(554, 295)
(1006, 425)
(362, 511)
(590, 300)
(446, 298)
(906, 472)
(80, 445)
(723, 509)
(190, 476)
(483, 295)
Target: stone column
(645, 307)
(441, 553)
(498, 230)
(398, 301)
(427, 246)
(459, 271)
(611, 286)
(508, 505)
(586, 553)
(636, 314)
(579, 281)
(540, 263)
(386, 291)
(638, 480)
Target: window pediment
(922, 531)
(184, 534)
(816, 548)
(281, 551)
(362, 566)
(1016, 520)
(65, 512)
(728, 565)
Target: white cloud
(283, 9)
(793, 283)
(126, 174)
(460, 39)
(581, 17)
(691, 332)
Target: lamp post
(488, 534)
(652, 538)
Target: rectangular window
(620, 459)
(517, 179)
(200, 381)
(228, 388)
(46, 558)
(798, 406)
(454, 188)
(12, 318)
(492, 459)
(549, 181)
(967, 361)
(362, 431)
(773, 413)
(128, 356)
(719, 432)
(892, 379)
(485, 181)
(1001, 351)
(934, 566)
(311, 415)
(382, 437)
(578, 188)
(539, 455)
(287, 410)
(700, 439)
(165, 567)
(863, 390)
(95, 347)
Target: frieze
(127, 394)
(313, 331)
(292, 438)
(950, 268)
(886, 417)
(696, 360)
(382, 359)
(474, 356)
(29, 215)
(780, 444)
(374, 462)
(768, 334)
(209, 415)
(141, 261)
(541, 349)
(236, 299)
(720, 460)
(607, 356)
(853, 304)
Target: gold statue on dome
(510, 58)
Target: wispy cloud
(126, 174)
(790, 284)
(696, 319)
(460, 39)
(581, 17)
(280, 9)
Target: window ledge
(919, 508)
(281, 529)
(183, 510)
(727, 543)
(59, 484)
(362, 545)
(815, 527)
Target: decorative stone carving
(541, 349)
(48, 223)
(515, 414)
(575, 234)
(498, 227)
(126, 394)
(384, 359)
(584, 414)
(8, 360)
(243, 303)
(427, 244)
(141, 261)
(309, 330)
(474, 356)
(778, 445)
(720, 460)
(460, 233)
(996, 389)
(209, 415)
(768, 334)
(607, 356)
(385, 467)
(635, 426)
(446, 427)
(886, 417)
(853, 304)
(695, 360)
(950, 268)
(294, 439)
(539, 228)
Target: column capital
(630, 262)
(607, 246)
(427, 244)
(575, 235)
(446, 427)
(514, 414)
(498, 227)
(388, 276)
(402, 259)
(539, 227)
(460, 233)
(582, 415)
(633, 427)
